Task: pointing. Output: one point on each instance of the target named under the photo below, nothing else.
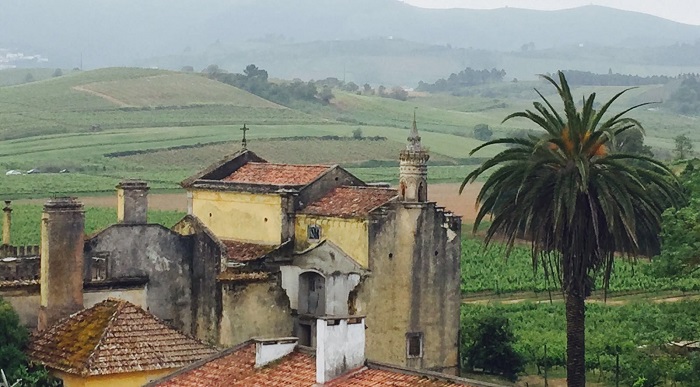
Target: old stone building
(266, 250)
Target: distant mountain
(120, 32)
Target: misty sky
(684, 11)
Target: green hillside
(162, 126)
(130, 98)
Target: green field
(184, 121)
(26, 221)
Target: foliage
(576, 77)
(686, 99)
(632, 142)
(577, 203)
(357, 133)
(487, 344)
(487, 270)
(638, 332)
(13, 340)
(465, 78)
(684, 146)
(482, 132)
(256, 81)
(680, 235)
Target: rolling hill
(121, 31)
(129, 98)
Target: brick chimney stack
(132, 202)
(7, 223)
(62, 243)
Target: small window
(414, 345)
(313, 233)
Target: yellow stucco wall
(239, 215)
(350, 234)
(120, 205)
(132, 379)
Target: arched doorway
(312, 294)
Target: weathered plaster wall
(385, 297)
(413, 287)
(206, 292)
(132, 379)
(254, 309)
(25, 301)
(349, 234)
(253, 217)
(342, 275)
(154, 251)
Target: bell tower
(413, 168)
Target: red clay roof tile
(349, 201)
(114, 336)
(237, 369)
(245, 252)
(276, 174)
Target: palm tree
(576, 202)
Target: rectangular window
(414, 345)
(313, 233)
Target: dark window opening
(304, 335)
(313, 233)
(414, 345)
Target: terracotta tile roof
(237, 369)
(245, 252)
(375, 377)
(350, 201)
(114, 336)
(276, 174)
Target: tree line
(465, 78)
(587, 78)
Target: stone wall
(152, 251)
(414, 287)
(254, 309)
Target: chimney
(269, 350)
(340, 346)
(132, 202)
(62, 242)
(7, 223)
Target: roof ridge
(292, 164)
(93, 352)
(366, 187)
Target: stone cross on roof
(244, 142)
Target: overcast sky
(684, 11)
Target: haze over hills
(127, 32)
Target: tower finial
(414, 138)
(244, 142)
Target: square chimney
(269, 350)
(340, 346)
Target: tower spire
(414, 138)
(413, 170)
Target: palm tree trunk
(575, 339)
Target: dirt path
(101, 95)
(613, 299)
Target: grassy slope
(66, 105)
(47, 123)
